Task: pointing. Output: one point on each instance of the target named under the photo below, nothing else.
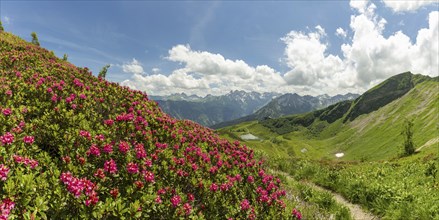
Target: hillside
(77, 146)
(289, 104)
(361, 159)
(367, 128)
(211, 109)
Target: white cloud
(368, 59)
(426, 50)
(360, 5)
(155, 70)
(312, 67)
(394, 54)
(407, 6)
(133, 67)
(207, 73)
(341, 32)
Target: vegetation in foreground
(406, 188)
(380, 168)
(312, 203)
(76, 146)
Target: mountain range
(238, 106)
(367, 128)
(288, 104)
(211, 109)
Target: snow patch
(249, 137)
(338, 155)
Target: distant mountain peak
(212, 109)
(290, 103)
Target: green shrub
(407, 133)
(35, 39)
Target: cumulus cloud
(341, 32)
(360, 5)
(407, 6)
(394, 54)
(310, 65)
(133, 67)
(208, 73)
(368, 57)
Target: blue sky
(197, 47)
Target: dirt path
(429, 143)
(356, 211)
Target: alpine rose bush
(76, 146)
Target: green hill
(366, 133)
(74, 146)
(289, 104)
(367, 128)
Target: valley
(361, 159)
(241, 106)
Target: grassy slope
(101, 151)
(373, 136)
(399, 188)
(404, 188)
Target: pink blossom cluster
(124, 147)
(140, 151)
(132, 168)
(4, 170)
(7, 138)
(26, 161)
(110, 166)
(245, 204)
(187, 208)
(28, 139)
(148, 176)
(77, 186)
(94, 150)
(108, 148)
(144, 150)
(296, 214)
(5, 208)
(6, 111)
(175, 200)
(85, 134)
(125, 117)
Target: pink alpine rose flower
(4, 170)
(175, 200)
(132, 168)
(296, 214)
(7, 138)
(28, 139)
(94, 150)
(108, 148)
(213, 187)
(7, 111)
(148, 176)
(187, 208)
(124, 147)
(110, 166)
(245, 204)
